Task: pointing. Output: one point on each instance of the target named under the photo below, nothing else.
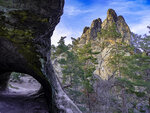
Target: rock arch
(25, 30)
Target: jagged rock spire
(121, 18)
(96, 23)
(124, 29)
(111, 15)
(85, 29)
(90, 33)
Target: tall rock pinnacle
(120, 23)
(90, 33)
(111, 15)
(111, 18)
(124, 29)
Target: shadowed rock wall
(25, 30)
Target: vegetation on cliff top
(130, 70)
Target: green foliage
(109, 33)
(61, 48)
(108, 36)
(15, 76)
(132, 68)
(71, 67)
(88, 61)
(70, 63)
(78, 64)
(142, 42)
(75, 42)
(140, 94)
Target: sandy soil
(18, 99)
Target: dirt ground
(18, 98)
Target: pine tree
(78, 67)
(61, 46)
(88, 61)
(132, 68)
(71, 69)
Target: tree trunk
(124, 103)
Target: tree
(133, 69)
(88, 61)
(110, 38)
(61, 46)
(71, 70)
(78, 66)
(142, 42)
(110, 33)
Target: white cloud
(62, 30)
(141, 27)
(74, 10)
(134, 11)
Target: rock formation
(122, 26)
(90, 34)
(25, 31)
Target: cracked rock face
(25, 30)
(90, 35)
(26, 26)
(120, 23)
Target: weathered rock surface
(120, 22)
(91, 35)
(25, 31)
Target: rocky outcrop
(111, 18)
(120, 22)
(25, 31)
(124, 29)
(91, 35)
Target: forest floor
(20, 97)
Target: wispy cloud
(141, 27)
(77, 16)
(73, 11)
(62, 30)
(136, 13)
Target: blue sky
(80, 13)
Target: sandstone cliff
(90, 34)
